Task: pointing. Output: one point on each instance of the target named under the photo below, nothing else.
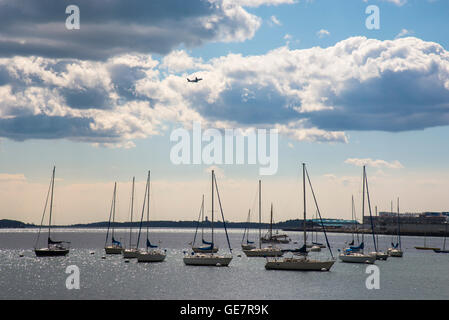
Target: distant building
(390, 218)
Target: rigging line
(51, 200)
(319, 213)
(43, 215)
(109, 222)
(253, 209)
(198, 222)
(222, 215)
(143, 211)
(369, 208)
(246, 230)
(148, 207)
(131, 214)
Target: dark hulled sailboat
(54, 248)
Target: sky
(101, 103)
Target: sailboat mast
(352, 217)
(113, 208)
(132, 210)
(271, 222)
(376, 224)
(304, 196)
(213, 175)
(363, 204)
(148, 206)
(445, 233)
(51, 200)
(399, 228)
(202, 219)
(260, 215)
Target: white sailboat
(276, 237)
(380, 255)
(302, 262)
(115, 247)
(211, 259)
(206, 245)
(54, 248)
(355, 254)
(247, 245)
(130, 252)
(396, 250)
(151, 253)
(269, 251)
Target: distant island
(5, 223)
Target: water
(418, 275)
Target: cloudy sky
(101, 102)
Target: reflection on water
(419, 275)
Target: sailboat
(354, 227)
(378, 254)
(444, 242)
(151, 253)
(206, 245)
(211, 259)
(301, 261)
(131, 253)
(355, 254)
(267, 251)
(315, 246)
(425, 247)
(116, 246)
(396, 250)
(54, 248)
(247, 245)
(277, 237)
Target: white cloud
(311, 94)
(12, 177)
(179, 60)
(258, 3)
(275, 21)
(404, 32)
(323, 33)
(396, 2)
(374, 163)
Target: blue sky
(100, 104)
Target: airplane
(194, 80)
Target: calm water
(418, 275)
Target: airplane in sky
(194, 80)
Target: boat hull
(198, 250)
(248, 246)
(151, 256)
(357, 258)
(275, 240)
(113, 250)
(427, 248)
(130, 253)
(380, 255)
(441, 251)
(207, 260)
(46, 252)
(395, 253)
(264, 252)
(299, 264)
